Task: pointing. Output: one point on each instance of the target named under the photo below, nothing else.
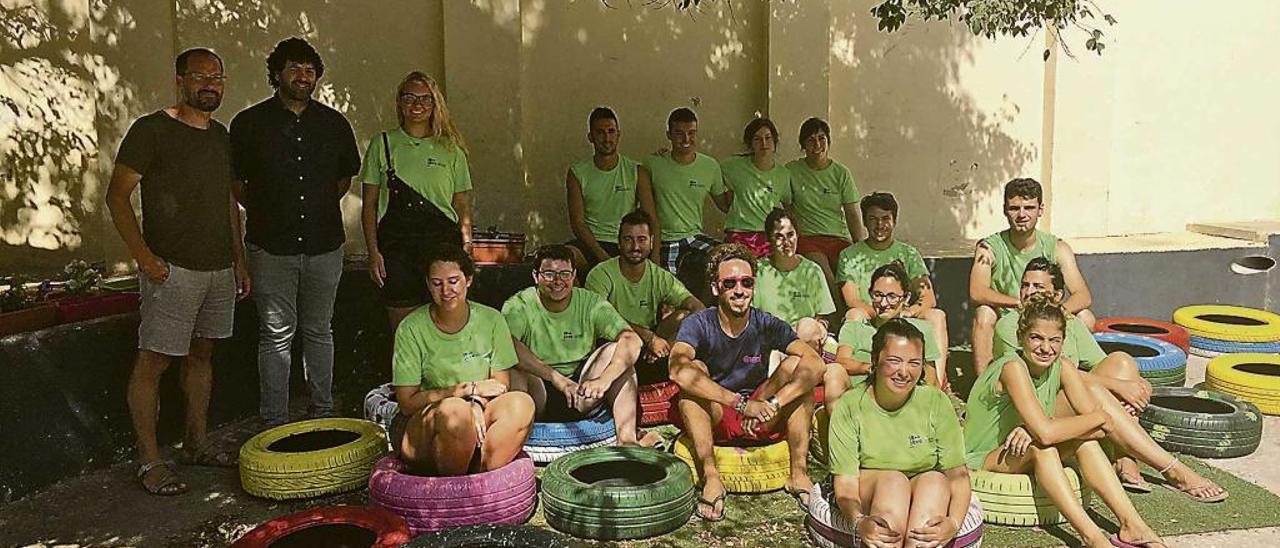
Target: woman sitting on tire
(1031, 410)
(449, 371)
(896, 449)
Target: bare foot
(711, 502)
(1183, 478)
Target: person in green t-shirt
(450, 372)
(1032, 409)
(824, 199)
(678, 183)
(896, 449)
(1000, 258)
(600, 189)
(858, 261)
(555, 327)
(649, 298)
(891, 294)
(757, 184)
(792, 287)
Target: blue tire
(1231, 347)
(1154, 356)
(551, 440)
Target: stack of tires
(1159, 362)
(617, 493)
(657, 403)
(506, 496)
(829, 529)
(1251, 377)
(549, 441)
(1016, 499)
(1216, 329)
(311, 458)
(1146, 327)
(757, 469)
(1202, 423)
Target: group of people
(746, 329)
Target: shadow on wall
(904, 123)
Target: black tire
(495, 536)
(616, 493)
(1202, 423)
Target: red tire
(506, 496)
(384, 529)
(656, 403)
(1165, 331)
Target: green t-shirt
(858, 261)
(922, 435)
(427, 357)
(1078, 346)
(1006, 271)
(435, 170)
(818, 198)
(755, 192)
(801, 293)
(857, 335)
(990, 416)
(637, 302)
(606, 195)
(681, 190)
(562, 339)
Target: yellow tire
(1016, 499)
(1251, 377)
(311, 458)
(1229, 323)
(744, 469)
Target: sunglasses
(747, 282)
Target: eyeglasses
(203, 78)
(747, 282)
(549, 275)
(891, 298)
(411, 98)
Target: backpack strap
(386, 152)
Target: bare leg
(797, 417)
(1052, 478)
(1098, 473)
(698, 415)
(811, 332)
(886, 493)
(938, 321)
(197, 381)
(144, 402)
(835, 381)
(930, 498)
(856, 315)
(1087, 318)
(984, 329)
(531, 385)
(1120, 366)
(622, 393)
(441, 438)
(508, 419)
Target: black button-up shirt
(290, 165)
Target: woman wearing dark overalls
(416, 194)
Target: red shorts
(757, 242)
(828, 246)
(729, 429)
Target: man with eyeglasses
(556, 328)
(190, 258)
(891, 294)
(294, 158)
(744, 376)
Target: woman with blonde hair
(417, 194)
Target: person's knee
(516, 406)
(201, 350)
(1087, 318)
(936, 314)
(985, 316)
(932, 479)
(453, 416)
(1123, 365)
(809, 330)
(856, 315)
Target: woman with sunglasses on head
(451, 377)
(417, 194)
(756, 185)
(1031, 411)
(896, 449)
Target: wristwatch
(773, 400)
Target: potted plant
(83, 299)
(22, 309)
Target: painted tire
(829, 529)
(1251, 377)
(504, 496)
(388, 530)
(1232, 347)
(549, 441)
(1153, 356)
(617, 493)
(1229, 323)
(380, 406)
(656, 403)
(311, 458)
(1174, 381)
(496, 536)
(1202, 423)
(1015, 499)
(1155, 329)
(744, 469)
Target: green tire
(617, 493)
(1202, 423)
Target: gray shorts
(189, 304)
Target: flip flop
(1115, 541)
(1139, 486)
(1201, 498)
(207, 456)
(712, 503)
(660, 444)
(801, 503)
(169, 484)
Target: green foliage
(82, 277)
(18, 296)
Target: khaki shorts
(189, 304)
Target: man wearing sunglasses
(728, 390)
(556, 327)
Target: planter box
(28, 319)
(491, 248)
(78, 309)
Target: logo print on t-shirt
(469, 355)
(432, 162)
(751, 360)
(644, 303)
(694, 183)
(914, 440)
(569, 335)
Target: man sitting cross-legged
(639, 289)
(555, 327)
(1116, 372)
(727, 392)
(1000, 258)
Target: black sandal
(168, 485)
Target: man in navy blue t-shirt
(721, 362)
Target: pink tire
(506, 496)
